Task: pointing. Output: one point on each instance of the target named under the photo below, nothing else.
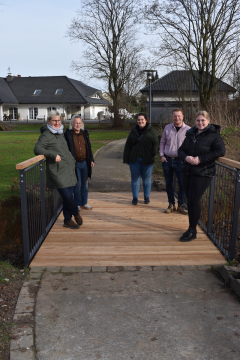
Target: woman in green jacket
(140, 149)
(60, 167)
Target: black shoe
(134, 201)
(146, 200)
(189, 235)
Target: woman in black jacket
(80, 147)
(201, 147)
(140, 149)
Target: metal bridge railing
(220, 216)
(40, 206)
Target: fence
(40, 206)
(220, 207)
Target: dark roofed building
(34, 97)
(174, 88)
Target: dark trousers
(194, 187)
(69, 206)
(173, 165)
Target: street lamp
(149, 77)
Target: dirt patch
(232, 143)
(11, 243)
(11, 280)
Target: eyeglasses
(56, 121)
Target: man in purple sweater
(172, 138)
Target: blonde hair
(203, 113)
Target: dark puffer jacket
(149, 146)
(70, 141)
(208, 146)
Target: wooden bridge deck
(116, 233)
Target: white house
(33, 97)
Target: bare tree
(201, 34)
(108, 29)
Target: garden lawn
(18, 147)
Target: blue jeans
(173, 165)
(69, 206)
(138, 171)
(81, 189)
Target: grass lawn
(18, 147)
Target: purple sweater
(172, 139)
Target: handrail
(29, 162)
(229, 162)
(35, 159)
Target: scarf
(55, 131)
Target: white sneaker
(87, 207)
(79, 208)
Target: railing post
(42, 191)
(235, 217)
(24, 217)
(211, 205)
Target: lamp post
(149, 77)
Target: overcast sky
(33, 38)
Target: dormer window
(95, 96)
(37, 92)
(59, 92)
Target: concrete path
(109, 172)
(141, 313)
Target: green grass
(18, 147)
(23, 127)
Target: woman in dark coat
(60, 166)
(79, 145)
(202, 146)
(140, 149)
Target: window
(33, 113)
(95, 96)
(59, 92)
(51, 108)
(37, 92)
(13, 112)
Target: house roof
(88, 91)
(6, 95)
(22, 90)
(182, 80)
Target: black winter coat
(208, 146)
(69, 138)
(149, 145)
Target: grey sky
(33, 38)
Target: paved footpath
(110, 173)
(121, 313)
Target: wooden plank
(116, 233)
(29, 162)
(229, 162)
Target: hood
(209, 128)
(43, 128)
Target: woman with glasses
(60, 167)
(202, 146)
(140, 149)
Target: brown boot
(170, 209)
(71, 224)
(181, 209)
(78, 219)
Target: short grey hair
(52, 114)
(72, 120)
